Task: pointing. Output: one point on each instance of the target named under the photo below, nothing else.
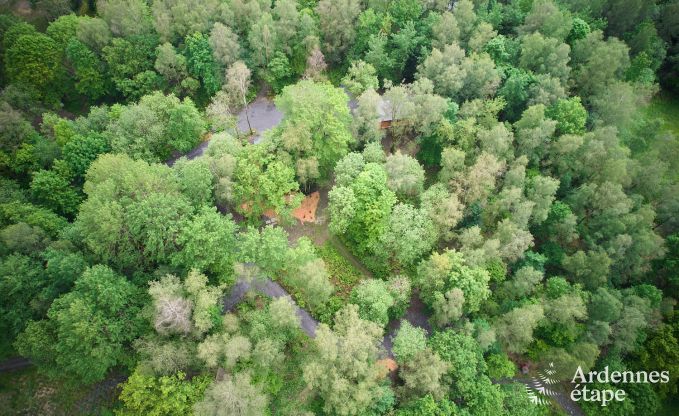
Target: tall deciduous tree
(344, 372)
(88, 330)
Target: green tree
(597, 62)
(423, 374)
(133, 213)
(89, 70)
(156, 127)
(54, 191)
(130, 63)
(165, 395)
(208, 243)
(569, 114)
(346, 356)
(374, 300)
(409, 340)
(360, 77)
(201, 64)
(125, 17)
(262, 182)
(233, 395)
(405, 175)
(337, 21)
(515, 328)
(409, 234)
(545, 55)
(86, 333)
(34, 60)
(546, 17)
(360, 212)
(444, 271)
(320, 111)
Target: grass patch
(665, 106)
(28, 392)
(342, 273)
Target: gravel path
(274, 290)
(415, 314)
(263, 116)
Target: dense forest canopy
(494, 188)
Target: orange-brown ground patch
(389, 364)
(306, 211)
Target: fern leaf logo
(538, 389)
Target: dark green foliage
(201, 63)
(88, 330)
(130, 65)
(34, 60)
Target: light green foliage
(524, 282)
(81, 151)
(268, 249)
(22, 285)
(93, 32)
(263, 182)
(233, 395)
(337, 21)
(360, 77)
(312, 280)
(515, 328)
(130, 63)
(361, 218)
(155, 127)
(442, 272)
(195, 181)
(89, 70)
(569, 114)
(63, 29)
(597, 62)
(534, 132)
(174, 20)
(409, 234)
(458, 76)
(345, 356)
(207, 242)
(278, 71)
(320, 111)
(170, 64)
(184, 307)
(374, 300)
(224, 44)
(165, 395)
(133, 213)
(546, 17)
(125, 17)
(367, 119)
(423, 374)
(88, 330)
(467, 372)
(448, 307)
(443, 208)
(545, 55)
(409, 340)
(405, 176)
(499, 366)
(445, 30)
(263, 40)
